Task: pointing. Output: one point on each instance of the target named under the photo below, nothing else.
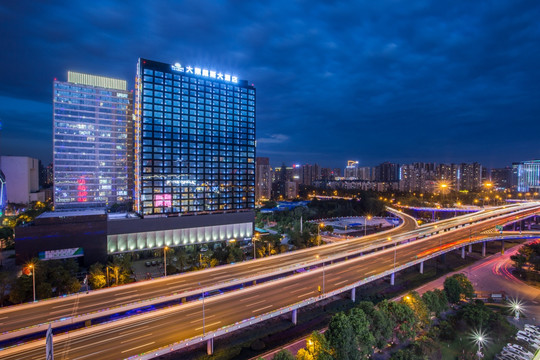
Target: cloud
(388, 80)
(273, 139)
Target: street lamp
(203, 331)
(366, 218)
(321, 225)
(479, 338)
(516, 306)
(317, 257)
(256, 237)
(33, 268)
(165, 259)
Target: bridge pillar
(353, 294)
(392, 278)
(294, 316)
(422, 267)
(502, 247)
(470, 248)
(483, 248)
(210, 346)
(463, 252)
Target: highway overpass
(182, 325)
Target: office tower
(527, 175)
(92, 142)
(21, 179)
(263, 182)
(194, 140)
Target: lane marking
(140, 346)
(136, 338)
(200, 320)
(266, 307)
(207, 325)
(309, 293)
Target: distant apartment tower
(351, 170)
(387, 172)
(195, 140)
(450, 174)
(21, 179)
(263, 179)
(502, 177)
(527, 175)
(470, 176)
(92, 142)
(417, 177)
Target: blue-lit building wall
(526, 175)
(3, 193)
(194, 140)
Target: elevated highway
(179, 326)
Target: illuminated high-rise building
(194, 140)
(92, 142)
(527, 175)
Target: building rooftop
(53, 214)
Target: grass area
(245, 344)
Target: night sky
(374, 81)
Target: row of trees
(53, 278)
(367, 328)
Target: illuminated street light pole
(165, 259)
(32, 266)
(317, 256)
(479, 338)
(203, 330)
(366, 218)
(321, 225)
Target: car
(529, 326)
(147, 264)
(154, 262)
(514, 355)
(528, 340)
(517, 353)
(511, 356)
(532, 331)
(520, 349)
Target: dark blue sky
(374, 81)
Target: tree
(5, 282)
(404, 354)
(456, 287)
(341, 338)
(417, 305)
(436, 301)
(476, 314)
(402, 316)
(96, 276)
(21, 290)
(360, 324)
(283, 354)
(381, 325)
(317, 348)
(235, 253)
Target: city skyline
(446, 83)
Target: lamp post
(32, 266)
(165, 259)
(203, 331)
(253, 239)
(317, 256)
(479, 338)
(395, 253)
(321, 225)
(366, 218)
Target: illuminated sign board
(61, 254)
(204, 72)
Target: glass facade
(92, 142)
(194, 140)
(527, 175)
